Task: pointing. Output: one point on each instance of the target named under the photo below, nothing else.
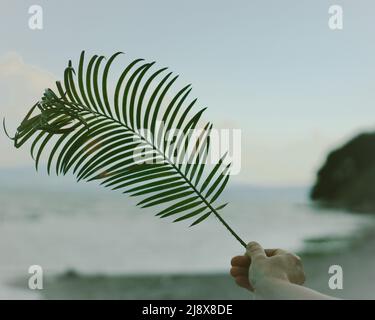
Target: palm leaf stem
(208, 205)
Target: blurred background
(274, 69)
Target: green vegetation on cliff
(347, 179)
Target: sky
(273, 69)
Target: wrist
(266, 284)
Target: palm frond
(120, 141)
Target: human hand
(258, 266)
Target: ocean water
(61, 226)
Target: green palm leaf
(121, 142)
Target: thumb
(255, 251)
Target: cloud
(21, 85)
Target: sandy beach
(357, 261)
(89, 253)
(358, 264)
